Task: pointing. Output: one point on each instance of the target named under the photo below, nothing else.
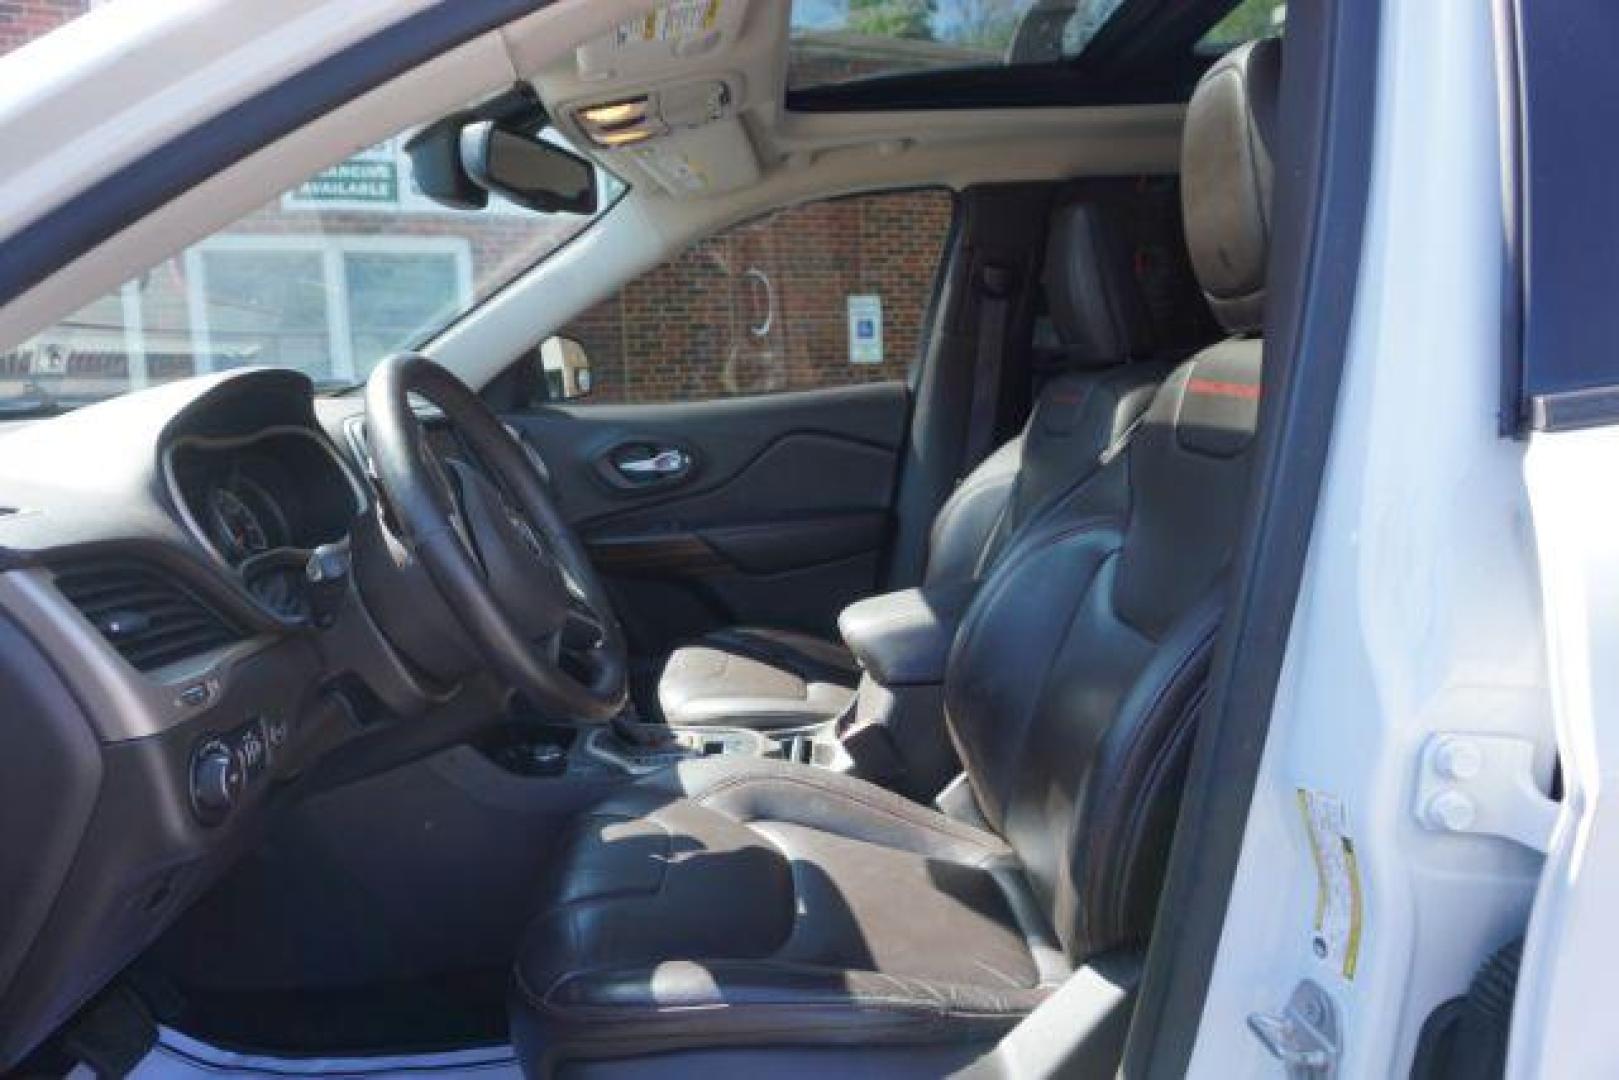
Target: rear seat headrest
(1095, 303)
(1226, 149)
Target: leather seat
(785, 681)
(735, 905)
(736, 902)
(757, 677)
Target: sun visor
(662, 39)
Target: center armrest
(903, 638)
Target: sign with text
(865, 329)
(369, 179)
(352, 181)
(378, 180)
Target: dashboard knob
(217, 778)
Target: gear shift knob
(631, 730)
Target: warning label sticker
(676, 170)
(1336, 930)
(672, 22)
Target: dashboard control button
(198, 694)
(250, 748)
(217, 779)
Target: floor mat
(179, 1057)
(446, 1011)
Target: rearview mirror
(435, 165)
(527, 170)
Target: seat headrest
(1091, 290)
(1226, 149)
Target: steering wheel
(493, 544)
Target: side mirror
(527, 170)
(565, 369)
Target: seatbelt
(994, 285)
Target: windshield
(330, 277)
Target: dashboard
(166, 686)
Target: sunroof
(835, 42)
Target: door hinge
(1484, 784)
(1304, 1037)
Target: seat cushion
(744, 902)
(776, 680)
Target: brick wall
(23, 20)
(685, 331)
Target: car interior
(815, 723)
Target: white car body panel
(1560, 1013)
(1419, 611)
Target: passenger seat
(784, 681)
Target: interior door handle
(663, 465)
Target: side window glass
(820, 295)
(1248, 21)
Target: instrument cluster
(262, 502)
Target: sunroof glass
(842, 41)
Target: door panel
(732, 453)
(779, 516)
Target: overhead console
(666, 96)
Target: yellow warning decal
(672, 22)
(1336, 929)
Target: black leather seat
(735, 905)
(782, 680)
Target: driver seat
(724, 908)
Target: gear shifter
(628, 728)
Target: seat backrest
(1101, 318)
(1077, 672)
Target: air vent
(151, 619)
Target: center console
(903, 640)
(645, 754)
(893, 735)
(529, 746)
